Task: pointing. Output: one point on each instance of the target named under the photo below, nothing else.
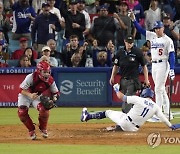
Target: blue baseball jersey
(21, 20)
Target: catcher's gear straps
(36, 81)
(24, 117)
(43, 116)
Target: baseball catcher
(32, 92)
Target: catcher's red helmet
(43, 70)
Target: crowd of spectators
(80, 33)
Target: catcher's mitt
(47, 102)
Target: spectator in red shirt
(23, 43)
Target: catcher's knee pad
(42, 111)
(23, 113)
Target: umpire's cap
(158, 24)
(148, 92)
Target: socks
(97, 115)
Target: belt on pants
(132, 122)
(157, 61)
(127, 78)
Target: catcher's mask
(148, 92)
(44, 71)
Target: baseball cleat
(32, 135)
(44, 133)
(84, 114)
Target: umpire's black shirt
(129, 62)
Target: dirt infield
(85, 133)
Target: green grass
(8, 116)
(57, 115)
(85, 149)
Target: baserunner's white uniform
(143, 109)
(160, 49)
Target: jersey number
(145, 111)
(160, 52)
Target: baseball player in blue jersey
(143, 109)
(163, 60)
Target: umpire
(128, 60)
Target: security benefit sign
(83, 88)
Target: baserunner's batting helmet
(158, 24)
(148, 92)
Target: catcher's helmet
(148, 92)
(158, 24)
(43, 70)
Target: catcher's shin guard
(25, 119)
(43, 117)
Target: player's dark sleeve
(172, 60)
(139, 28)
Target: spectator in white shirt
(152, 15)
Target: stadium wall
(78, 86)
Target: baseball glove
(47, 102)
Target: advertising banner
(175, 90)
(78, 87)
(10, 79)
(83, 88)
(9, 88)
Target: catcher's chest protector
(39, 85)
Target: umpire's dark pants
(127, 86)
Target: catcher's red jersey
(36, 85)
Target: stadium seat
(13, 45)
(12, 62)
(139, 43)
